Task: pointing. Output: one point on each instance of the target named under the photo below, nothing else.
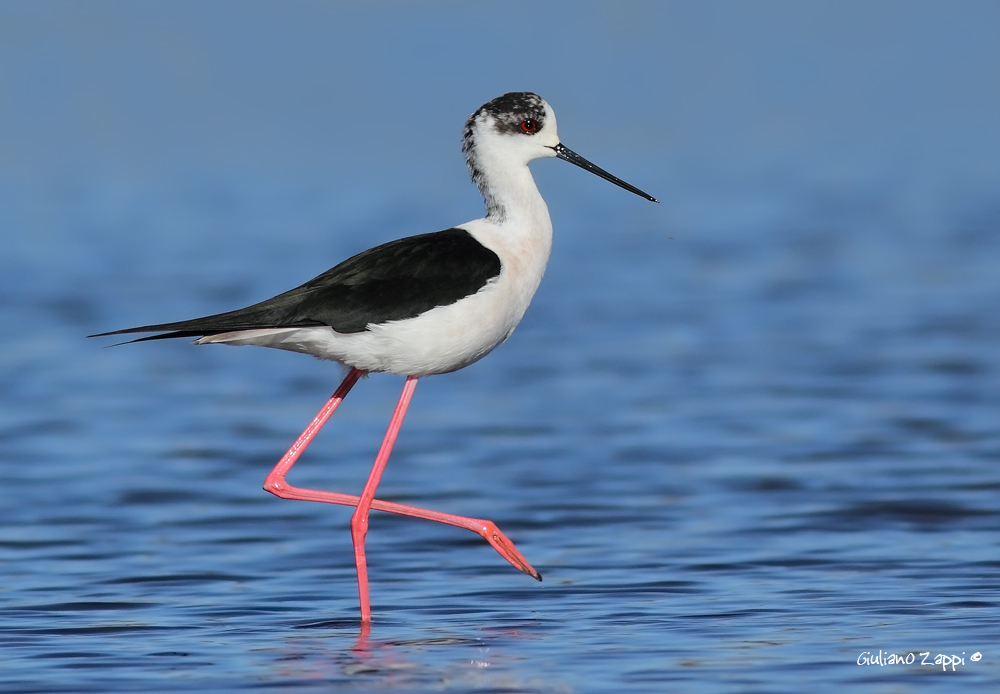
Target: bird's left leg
(359, 520)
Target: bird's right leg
(277, 485)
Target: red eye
(529, 126)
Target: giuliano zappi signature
(912, 658)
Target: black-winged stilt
(419, 306)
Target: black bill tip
(566, 154)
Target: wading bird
(419, 306)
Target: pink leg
(359, 520)
(276, 484)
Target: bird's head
(518, 127)
(515, 129)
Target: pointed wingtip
(114, 332)
(148, 338)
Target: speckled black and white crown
(508, 112)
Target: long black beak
(566, 154)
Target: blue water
(749, 436)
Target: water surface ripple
(737, 461)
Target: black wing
(397, 280)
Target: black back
(397, 280)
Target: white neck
(517, 226)
(510, 193)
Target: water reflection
(439, 661)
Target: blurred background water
(748, 435)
